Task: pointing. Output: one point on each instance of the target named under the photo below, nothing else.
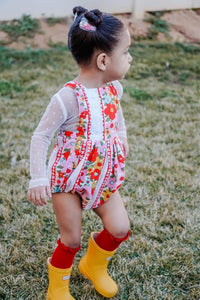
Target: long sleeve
(52, 119)
(121, 131)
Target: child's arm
(52, 119)
(121, 131)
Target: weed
(26, 26)
(7, 88)
(158, 25)
(139, 94)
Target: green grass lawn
(161, 104)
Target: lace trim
(102, 110)
(89, 114)
(115, 239)
(68, 249)
(53, 170)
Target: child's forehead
(125, 39)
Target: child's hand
(125, 146)
(38, 195)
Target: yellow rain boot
(94, 266)
(58, 283)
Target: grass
(161, 259)
(53, 21)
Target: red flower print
(65, 179)
(110, 111)
(79, 182)
(93, 155)
(95, 174)
(71, 85)
(68, 133)
(77, 152)
(66, 154)
(80, 131)
(84, 114)
(113, 90)
(60, 174)
(122, 178)
(121, 158)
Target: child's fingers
(37, 195)
(43, 196)
(126, 150)
(48, 191)
(29, 195)
(36, 198)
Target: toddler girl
(86, 167)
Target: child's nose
(129, 58)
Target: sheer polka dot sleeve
(53, 117)
(121, 122)
(61, 113)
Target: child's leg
(68, 211)
(114, 218)
(102, 246)
(67, 208)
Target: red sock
(108, 242)
(63, 256)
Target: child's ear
(102, 61)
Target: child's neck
(91, 78)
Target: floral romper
(90, 161)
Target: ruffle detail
(115, 239)
(68, 249)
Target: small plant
(26, 26)
(140, 94)
(158, 25)
(8, 88)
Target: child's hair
(83, 43)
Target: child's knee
(122, 231)
(72, 241)
(121, 234)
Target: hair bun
(79, 10)
(94, 17)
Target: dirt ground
(184, 26)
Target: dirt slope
(184, 26)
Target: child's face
(120, 57)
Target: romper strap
(70, 84)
